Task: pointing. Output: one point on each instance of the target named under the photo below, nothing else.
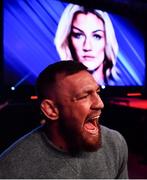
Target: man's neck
(55, 138)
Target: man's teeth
(96, 117)
(93, 118)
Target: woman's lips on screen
(88, 57)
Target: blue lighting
(29, 30)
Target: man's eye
(84, 96)
(98, 91)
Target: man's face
(80, 107)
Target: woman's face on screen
(88, 39)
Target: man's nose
(97, 102)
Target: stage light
(13, 88)
(103, 87)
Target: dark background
(19, 114)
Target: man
(72, 144)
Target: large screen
(112, 46)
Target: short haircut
(47, 78)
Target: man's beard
(76, 140)
(92, 146)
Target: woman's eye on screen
(97, 36)
(76, 35)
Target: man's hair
(47, 78)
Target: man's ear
(49, 109)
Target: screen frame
(130, 11)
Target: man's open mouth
(91, 125)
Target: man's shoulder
(25, 157)
(112, 138)
(106, 131)
(114, 151)
(26, 143)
